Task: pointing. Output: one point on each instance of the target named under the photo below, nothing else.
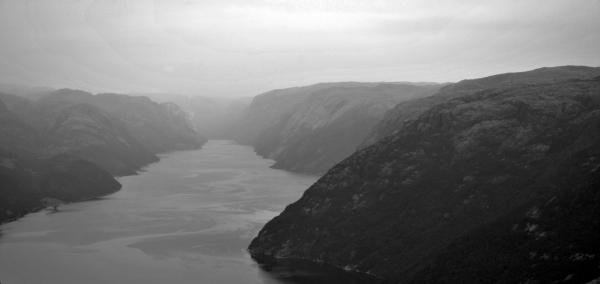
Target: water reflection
(300, 272)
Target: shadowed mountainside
(26, 182)
(492, 185)
(410, 110)
(26, 178)
(309, 129)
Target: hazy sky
(243, 47)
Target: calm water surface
(185, 219)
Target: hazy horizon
(243, 48)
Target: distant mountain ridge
(159, 127)
(28, 92)
(493, 180)
(212, 116)
(309, 129)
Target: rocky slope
(69, 144)
(410, 110)
(496, 185)
(158, 127)
(25, 178)
(117, 132)
(309, 129)
(25, 183)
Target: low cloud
(240, 48)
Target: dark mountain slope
(493, 186)
(309, 129)
(24, 183)
(410, 110)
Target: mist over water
(186, 219)
(457, 142)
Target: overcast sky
(243, 47)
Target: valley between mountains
(488, 180)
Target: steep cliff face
(117, 132)
(498, 185)
(309, 129)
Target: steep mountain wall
(309, 129)
(498, 185)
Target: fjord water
(185, 219)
